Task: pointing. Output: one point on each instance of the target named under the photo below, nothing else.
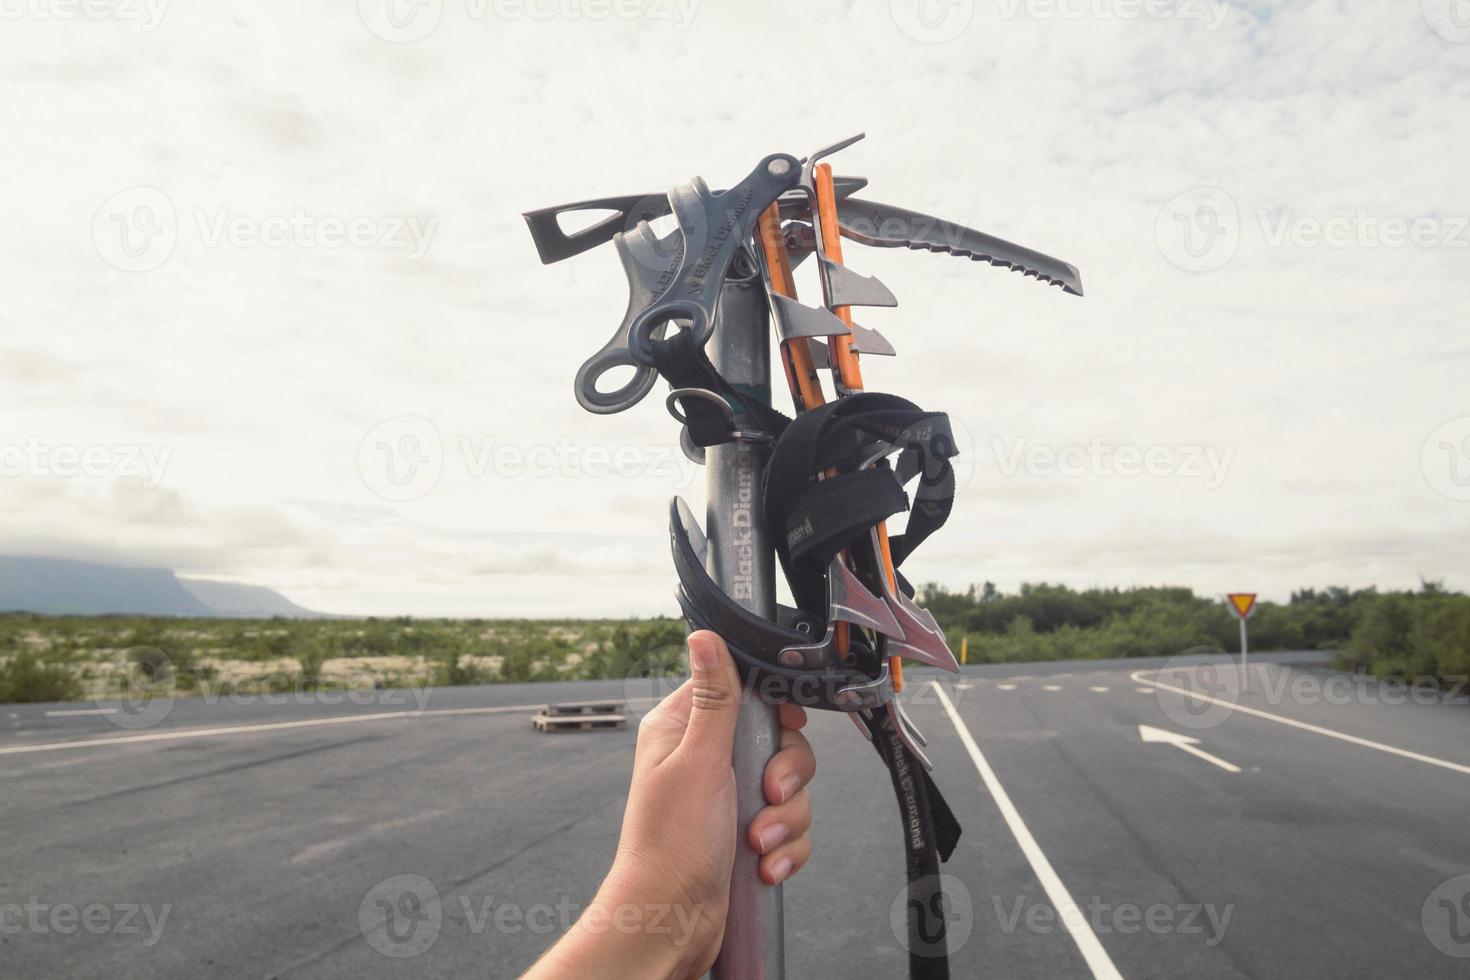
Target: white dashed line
(1098, 690)
(81, 711)
(274, 726)
(1051, 687)
(1073, 919)
(1005, 687)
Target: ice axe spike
(796, 320)
(866, 340)
(853, 289)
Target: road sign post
(1245, 675)
(1243, 604)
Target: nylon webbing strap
(931, 833)
(683, 364)
(931, 507)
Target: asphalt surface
(256, 839)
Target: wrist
(662, 938)
(623, 934)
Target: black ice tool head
(553, 244)
(674, 281)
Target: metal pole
(742, 561)
(1244, 671)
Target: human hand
(661, 910)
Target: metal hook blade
(896, 721)
(851, 602)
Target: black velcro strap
(823, 518)
(840, 435)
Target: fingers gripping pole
(742, 561)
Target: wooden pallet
(579, 716)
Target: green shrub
(449, 671)
(26, 678)
(311, 653)
(1412, 635)
(639, 649)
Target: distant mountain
(57, 586)
(244, 601)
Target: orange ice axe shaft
(845, 360)
(796, 354)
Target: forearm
(618, 936)
(660, 913)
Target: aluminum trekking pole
(743, 563)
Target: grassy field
(57, 658)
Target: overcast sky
(270, 313)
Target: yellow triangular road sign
(1244, 603)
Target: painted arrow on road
(1185, 742)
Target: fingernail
(789, 786)
(702, 653)
(781, 868)
(773, 835)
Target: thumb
(716, 697)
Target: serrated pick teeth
(965, 253)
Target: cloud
(1068, 127)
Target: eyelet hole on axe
(574, 222)
(675, 313)
(602, 386)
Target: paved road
(1318, 829)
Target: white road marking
(1188, 743)
(81, 711)
(330, 848)
(1051, 687)
(1304, 726)
(962, 686)
(1098, 690)
(1142, 690)
(272, 726)
(1073, 919)
(1006, 687)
